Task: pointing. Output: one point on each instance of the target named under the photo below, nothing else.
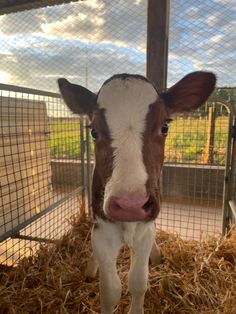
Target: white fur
(107, 240)
(126, 104)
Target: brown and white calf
(128, 122)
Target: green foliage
(64, 141)
(228, 94)
(186, 142)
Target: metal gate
(197, 180)
(44, 165)
(230, 197)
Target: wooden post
(157, 42)
(209, 150)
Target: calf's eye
(164, 129)
(94, 134)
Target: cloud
(88, 41)
(66, 39)
(203, 36)
(5, 76)
(43, 64)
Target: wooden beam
(14, 6)
(157, 42)
(208, 157)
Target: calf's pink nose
(129, 201)
(127, 207)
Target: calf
(129, 126)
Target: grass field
(64, 139)
(186, 142)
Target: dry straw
(195, 277)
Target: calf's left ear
(189, 93)
(78, 98)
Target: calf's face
(128, 123)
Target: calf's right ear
(189, 93)
(78, 98)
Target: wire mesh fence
(202, 36)
(41, 175)
(87, 42)
(194, 172)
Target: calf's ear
(78, 98)
(189, 93)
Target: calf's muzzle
(129, 207)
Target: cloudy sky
(89, 41)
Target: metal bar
(21, 226)
(23, 133)
(157, 42)
(29, 238)
(25, 90)
(227, 176)
(88, 181)
(82, 151)
(233, 173)
(232, 206)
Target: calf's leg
(92, 267)
(155, 255)
(138, 274)
(106, 243)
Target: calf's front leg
(92, 267)
(106, 243)
(155, 255)
(138, 274)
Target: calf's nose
(127, 207)
(130, 201)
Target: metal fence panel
(40, 168)
(232, 196)
(194, 173)
(202, 37)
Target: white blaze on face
(126, 103)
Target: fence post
(228, 174)
(82, 152)
(209, 150)
(232, 188)
(88, 174)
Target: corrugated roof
(10, 6)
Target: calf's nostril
(149, 203)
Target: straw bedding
(195, 277)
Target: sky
(89, 41)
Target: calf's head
(128, 123)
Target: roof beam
(157, 42)
(12, 6)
